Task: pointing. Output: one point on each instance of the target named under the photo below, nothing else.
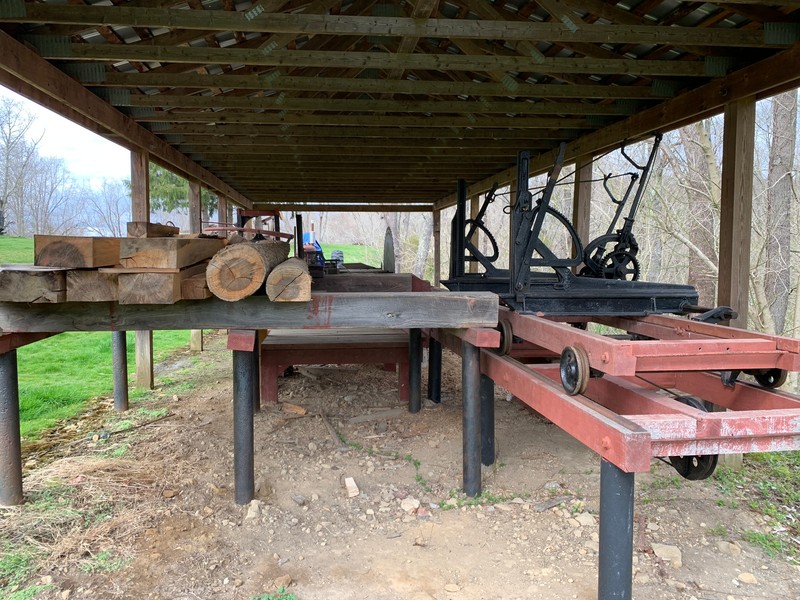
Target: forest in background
(677, 226)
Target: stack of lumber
(154, 265)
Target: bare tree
(16, 153)
(108, 208)
(52, 203)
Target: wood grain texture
(389, 310)
(153, 287)
(92, 286)
(290, 281)
(144, 360)
(364, 282)
(195, 288)
(75, 252)
(143, 229)
(167, 253)
(27, 283)
(239, 270)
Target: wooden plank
(143, 229)
(24, 64)
(75, 252)
(387, 310)
(28, 283)
(357, 282)
(167, 253)
(155, 287)
(736, 211)
(12, 341)
(92, 286)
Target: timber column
(140, 211)
(195, 226)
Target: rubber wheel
(575, 370)
(506, 336)
(771, 378)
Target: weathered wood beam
(767, 77)
(371, 60)
(542, 139)
(328, 207)
(140, 186)
(281, 83)
(27, 66)
(389, 310)
(166, 102)
(736, 208)
(363, 121)
(216, 20)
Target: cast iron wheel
(771, 378)
(621, 265)
(506, 336)
(575, 370)
(693, 467)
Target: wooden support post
(437, 247)
(10, 453)
(736, 207)
(144, 360)
(736, 215)
(474, 207)
(195, 226)
(222, 210)
(140, 186)
(582, 199)
(471, 418)
(140, 211)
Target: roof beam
(383, 106)
(220, 20)
(369, 60)
(27, 66)
(274, 81)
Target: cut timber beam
(92, 286)
(143, 229)
(167, 253)
(388, 310)
(155, 287)
(75, 252)
(27, 283)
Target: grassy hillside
(355, 254)
(15, 250)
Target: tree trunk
(777, 280)
(424, 245)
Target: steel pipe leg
(10, 453)
(616, 533)
(487, 421)
(119, 358)
(471, 426)
(414, 370)
(434, 370)
(244, 480)
(256, 358)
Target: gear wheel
(621, 265)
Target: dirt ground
(409, 533)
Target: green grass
(58, 375)
(352, 254)
(280, 594)
(15, 250)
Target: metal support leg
(487, 421)
(256, 358)
(434, 371)
(10, 453)
(616, 533)
(243, 426)
(471, 436)
(414, 370)
(119, 358)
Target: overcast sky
(87, 155)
